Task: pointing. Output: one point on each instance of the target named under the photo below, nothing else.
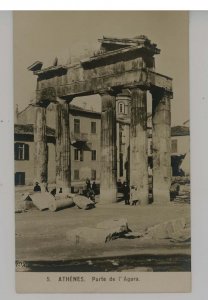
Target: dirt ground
(41, 235)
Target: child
(134, 197)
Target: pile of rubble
(175, 230)
(103, 232)
(184, 194)
(45, 200)
(180, 190)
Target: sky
(69, 34)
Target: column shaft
(161, 144)
(41, 157)
(138, 144)
(118, 148)
(63, 158)
(108, 171)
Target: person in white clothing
(133, 195)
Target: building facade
(24, 151)
(85, 145)
(180, 147)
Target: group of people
(130, 194)
(90, 189)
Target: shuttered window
(93, 127)
(20, 178)
(21, 151)
(93, 154)
(76, 154)
(81, 155)
(76, 125)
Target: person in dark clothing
(94, 187)
(88, 185)
(126, 191)
(37, 187)
(89, 191)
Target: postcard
(102, 151)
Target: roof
(36, 66)
(51, 69)
(113, 43)
(180, 131)
(73, 107)
(29, 129)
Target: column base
(142, 197)
(161, 196)
(108, 196)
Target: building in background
(85, 129)
(85, 145)
(180, 147)
(180, 150)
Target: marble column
(138, 144)
(41, 155)
(161, 144)
(63, 157)
(108, 167)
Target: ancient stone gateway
(120, 64)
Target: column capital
(45, 96)
(39, 104)
(137, 87)
(61, 101)
(108, 91)
(158, 93)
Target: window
(21, 151)
(93, 174)
(81, 155)
(174, 146)
(20, 178)
(76, 125)
(93, 154)
(93, 127)
(76, 154)
(121, 108)
(151, 147)
(76, 174)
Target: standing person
(133, 195)
(88, 185)
(89, 192)
(94, 187)
(37, 187)
(126, 191)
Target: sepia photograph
(102, 151)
